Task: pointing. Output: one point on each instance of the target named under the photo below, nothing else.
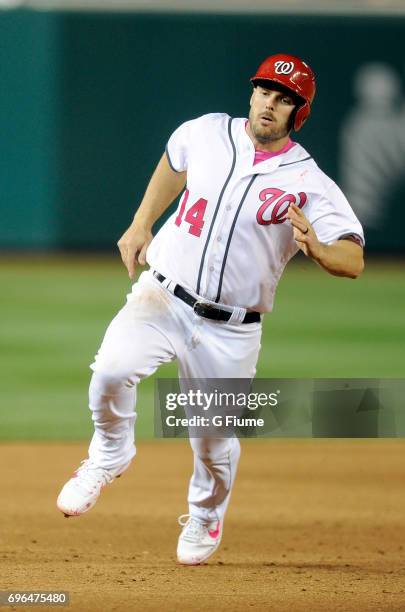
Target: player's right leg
(139, 339)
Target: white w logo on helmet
(284, 67)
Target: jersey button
(219, 238)
(228, 207)
(212, 268)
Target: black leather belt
(208, 311)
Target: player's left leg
(223, 352)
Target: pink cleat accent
(81, 492)
(198, 541)
(215, 534)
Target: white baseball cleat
(197, 541)
(81, 492)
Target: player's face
(269, 114)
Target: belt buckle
(204, 309)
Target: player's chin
(265, 136)
(269, 133)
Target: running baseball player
(251, 198)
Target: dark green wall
(29, 123)
(89, 100)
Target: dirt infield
(313, 525)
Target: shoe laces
(88, 473)
(183, 519)
(193, 529)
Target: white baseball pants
(155, 327)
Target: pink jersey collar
(264, 155)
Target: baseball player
(251, 198)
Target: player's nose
(271, 101)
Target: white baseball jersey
(229, 239)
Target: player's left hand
(304, 234)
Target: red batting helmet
(295, 75)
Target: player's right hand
(133, 245)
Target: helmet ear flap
(301, 116)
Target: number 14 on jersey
(194, 216)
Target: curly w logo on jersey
(280, 201)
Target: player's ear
(251, 97)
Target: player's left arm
(341, 258)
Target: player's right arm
(164, 186)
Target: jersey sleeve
(178, 147)
(333, 218)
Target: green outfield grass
(54, 311)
